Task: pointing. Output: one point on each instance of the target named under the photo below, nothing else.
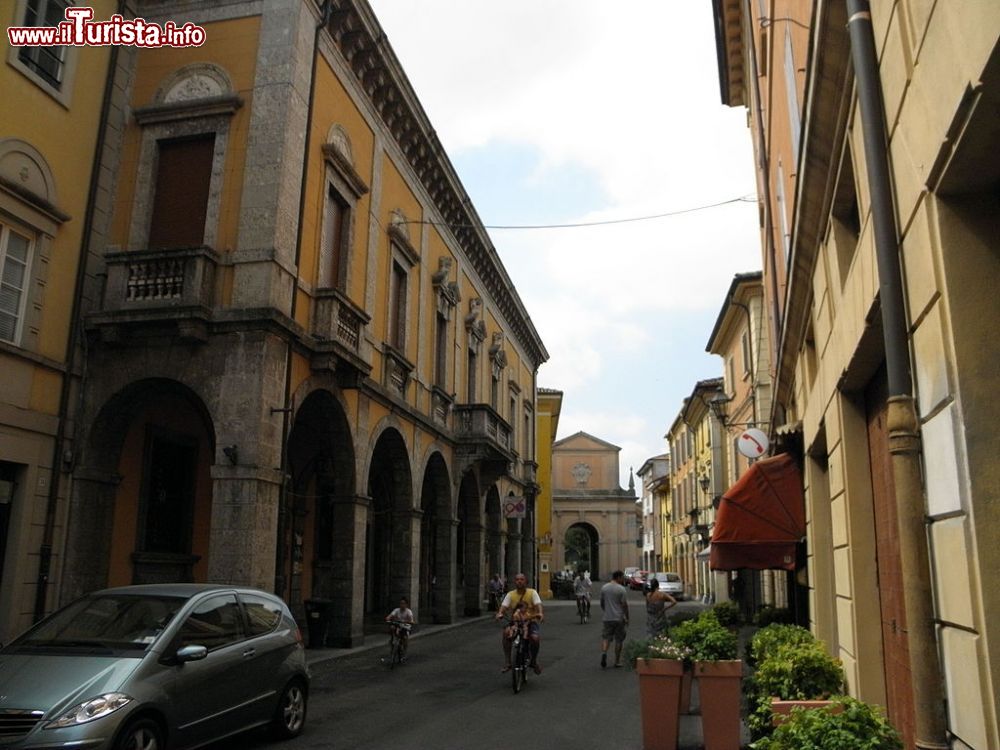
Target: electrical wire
(574, 225)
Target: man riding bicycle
(581, 588)
(532, 604)
(400, 621)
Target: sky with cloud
(576, 111)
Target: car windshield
(103, 624)
(673, 578)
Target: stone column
(444, 571)
(513, 548)
(474, 583)
(242, 542)
(91, 517)
(405, 564)
(347, 573)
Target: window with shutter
(180, 203)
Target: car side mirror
(191, 653)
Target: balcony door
(180, 203)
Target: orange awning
(760, 518)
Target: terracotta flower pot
(781, 709)
(686, 681)
(659, 698)
(719, 686)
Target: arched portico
(393, 526)
(320, 506)
(437, 546)
(142, 498)
(582, 549)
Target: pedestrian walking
(614, 623)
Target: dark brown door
(183, 176)
(899, 687)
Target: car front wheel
(291, 712)
(140, 734)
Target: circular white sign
(752, 443)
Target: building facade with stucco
(596, 523)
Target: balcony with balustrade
(167, 291)
(482, 435)
(338, 327)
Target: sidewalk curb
(319, 656)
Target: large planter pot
(659, 698)
(686, 681)
(719, 687)
(781, 709)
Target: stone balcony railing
(480, 423)
(338, 325)
(149, 279)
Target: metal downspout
(66, 389)
(930, 725)
(284, 512)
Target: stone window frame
(29, 205)
(63, 94)
(402, 254)
(342, 178)
(195, 100)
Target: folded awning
(760, 518)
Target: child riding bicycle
(400, 621)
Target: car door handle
(249, 652)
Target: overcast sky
(564, 111)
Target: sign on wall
(514, 507)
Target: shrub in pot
(793, 671)
(769, 614)
(707, 639)
(727, 613)
(849, 723)
(768, 639)
(660, 664)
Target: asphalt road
(450, 694)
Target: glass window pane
(263, 614)
(214, 623)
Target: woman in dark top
(657, 604)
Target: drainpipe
(66, 390)
(284, 512)
(904, 434)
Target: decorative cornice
(358, 36)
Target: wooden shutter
(180, 205)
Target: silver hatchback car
(151, 667)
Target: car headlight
(95, 708)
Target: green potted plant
(660, 664)
(719, 672)
(847, 723)
(792, 674)
(768, 639)
(728, 614)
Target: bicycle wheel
(517, 673)
(393, 651)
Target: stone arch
(321, 481)
(192, 82)
(436, 541)
(584, 555)
(393, 525)
(141, 508)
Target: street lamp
(719, 406)
(704, 481)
